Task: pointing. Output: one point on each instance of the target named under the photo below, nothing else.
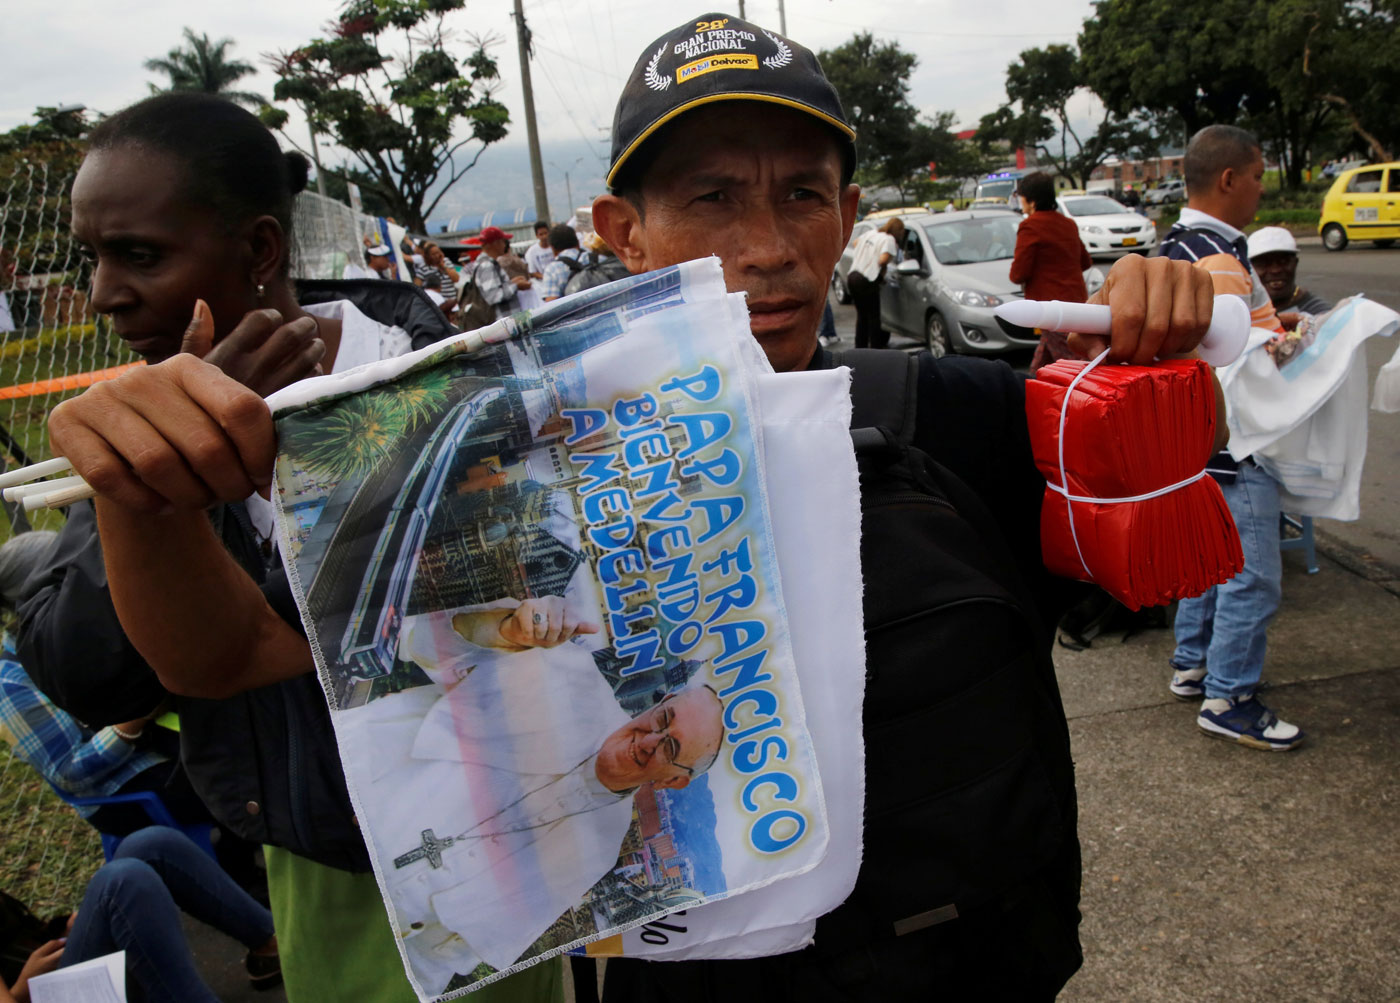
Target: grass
(47, 852)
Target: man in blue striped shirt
(1221, 635)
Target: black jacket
(265, 761)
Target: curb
(1358, 561)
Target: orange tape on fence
(60, 383)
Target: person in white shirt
(540, 253)
(379, 264)
(874, 252)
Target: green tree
(1289, 70)
(894, 144)
(37, 165)
(1038, 90)
(202, 65)
(1186, 58)
(371, 199)
(1349, 56)
(387, 89)
(958, 161)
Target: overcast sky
(91, 53)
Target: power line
(549, 79)
(942, 32)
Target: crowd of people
(166, 592)
(478, 290)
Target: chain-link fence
(52, 345)
(52, 342)
(328, 235)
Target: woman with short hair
(1050, 259)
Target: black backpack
(593, 269)
(969, 783)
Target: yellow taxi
(1362, 204)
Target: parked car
(956, 267)
(1106, 227)
(868, 223)
(1338, 166)
(1362, 204)
(1166, 192)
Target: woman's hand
(44, 960)
(177, 435)
(262, 353)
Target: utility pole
(316, 159)
(568, 187)
(741, 11)
(782, 18)
(532, 134)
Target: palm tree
(203, 66)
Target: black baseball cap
(717, 57)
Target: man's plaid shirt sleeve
(58, 747)
(557, 274)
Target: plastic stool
(154, 807)
(1304, 542)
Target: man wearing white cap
(379, 264)
(1274, 254)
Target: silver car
(843, 267)
(956, 267)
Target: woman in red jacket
(1050, 259)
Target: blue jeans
(1225, 629)
(828, 328)
(133, 904)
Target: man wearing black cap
(729, 140)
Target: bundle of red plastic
(1128, 506)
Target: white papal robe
(499, 758)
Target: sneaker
(1247, 721)
(828, 340)
(264, 970)
(1188, 684)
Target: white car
(1166, 192)
(1106, 227)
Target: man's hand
(1161, 308)
(521, 282)
(1290, 319)
(262, 353)
(177, 435)
(44, 960)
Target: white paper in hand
(101, 980)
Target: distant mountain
(501, 178)
(693, 832)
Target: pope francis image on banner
(519, 766)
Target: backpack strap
(884, 395)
